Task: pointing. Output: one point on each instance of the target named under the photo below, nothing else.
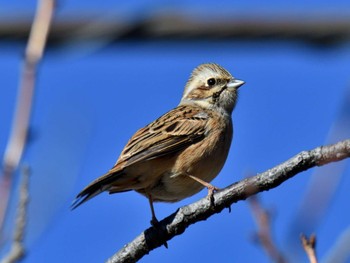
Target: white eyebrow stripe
(202, 73)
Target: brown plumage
(178, 154)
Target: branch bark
(176, 223)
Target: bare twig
(264, 233)
(315, 203)
(185, 216)
(309, 245)
(17, 251)
(18, 136)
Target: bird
(181, 152)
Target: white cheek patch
(192, 85)
(201, 74)
(199, 79)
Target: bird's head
(212, 86)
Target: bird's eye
(211, 81)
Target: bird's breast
(203, 160)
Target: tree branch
(319, 28)
(17, 141)
(264, 232)
(17, 251)
(309, 245)
(176, 223)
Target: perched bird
(179, 153)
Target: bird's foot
(211, 190)
(156, 225)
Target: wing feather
(169, 134)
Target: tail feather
(95, 188)
(86, 195)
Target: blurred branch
(264, 233)
(320, 29)
(309, 245)
(17, 251)
(18, 136)
(315, 203)
(340, 251)
(176, 223)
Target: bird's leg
(154, 220)
(211, 188)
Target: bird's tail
(85, 195)
(96, 187)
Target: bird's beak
(235, 83)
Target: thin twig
(17, 251)
(176, 223)
(309, 245)
(315, 204)
(264, 233)
(17, 141)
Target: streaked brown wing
(170, 133)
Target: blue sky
(89, 101)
